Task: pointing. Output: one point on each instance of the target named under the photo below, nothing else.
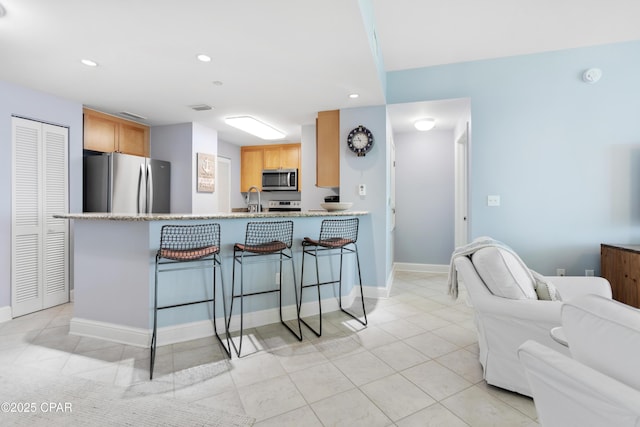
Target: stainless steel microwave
(280, 180)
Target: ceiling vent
(201, 107)
(132, 115)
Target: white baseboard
(427, 268)
(190, 331)
(5, 313)
(109, 331)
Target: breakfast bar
(114, 265)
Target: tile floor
(414, 365)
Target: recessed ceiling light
(254, 127)
(425, 124)
(89, 63)
(204, 58)
(353, 95)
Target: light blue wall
(173, 143)
(371, 170)
(205, 140)
(563, 155)
(30, 104)
(425, 199)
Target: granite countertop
(234, 215)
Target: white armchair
(600, 384)
(503, 324)
(568, 393)
(605, 335)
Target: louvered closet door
(56, 240)
(39, 273)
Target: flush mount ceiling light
(204, 58)
(254, 127)
(89, 62)
(425, 124)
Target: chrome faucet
(252, 207)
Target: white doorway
(223, 186)
(462, 188)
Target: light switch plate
(493, 200)
(362, 190)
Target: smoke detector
(592, 75)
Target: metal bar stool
(335, 234)
(262, 239)
(198, 245)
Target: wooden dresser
(620, 265)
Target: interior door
(39, 242)
(461, 227)
(56, 230)
(223, 184)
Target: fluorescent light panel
(254, 127)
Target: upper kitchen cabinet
(255, 158)
(282, 156)
(328, 149)
(251, 165)
(106, 133)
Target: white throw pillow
(546, 290)
(504, 273)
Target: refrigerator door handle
(149, 190)
(141, 181)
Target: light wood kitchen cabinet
(328, 149)
(251, 165)
(282, 156)
(620, 265)
(255, 158)
(106, 133)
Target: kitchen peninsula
(114, 266)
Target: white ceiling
(278, 60)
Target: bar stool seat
(261, 240)
(335, 234)
(198, 245)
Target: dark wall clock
(360, 140)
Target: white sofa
(599, 385)
(503, 324)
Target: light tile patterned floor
(414, 365)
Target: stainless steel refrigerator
(122, 183)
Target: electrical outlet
(362, 190)
(559, 271)
(493, 200)
(588, 273)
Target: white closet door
(39, 267)
(56, 241)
